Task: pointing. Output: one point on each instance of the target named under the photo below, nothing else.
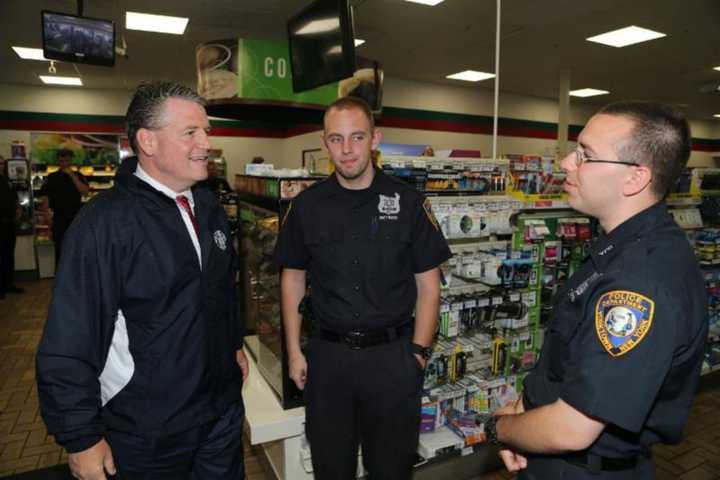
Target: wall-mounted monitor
(70, 38)
(322, 44)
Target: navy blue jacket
(139, 338)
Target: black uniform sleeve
(290, 249)
(429, 247)
(75, 341)
(622, 353)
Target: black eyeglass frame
(581, 158)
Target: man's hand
(513, 461)
(297, 366)
(93, 463)
(242, 361)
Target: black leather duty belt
(596, 463)
(359, 339)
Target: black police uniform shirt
(361, 249)
(65, 199)
(626, 339)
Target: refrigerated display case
(262, 203)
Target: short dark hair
(351, 103)
(660, 139)
(64, 152)
(146, 107)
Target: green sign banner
(253, 69)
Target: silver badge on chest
(389, 206)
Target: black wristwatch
(490, 427)
(424, 352)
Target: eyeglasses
(581, 158)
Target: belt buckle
(354, 339)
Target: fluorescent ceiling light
(716, 68)
(53, 80)
(588, 92)
(30, 53)
(717, 115)
(359, 41)
(322, 25)
(626, 36)
(471, 76)
(155, 23)
(432, 3)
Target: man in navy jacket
(140, 366)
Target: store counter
(279, 432)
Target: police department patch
(431, 216)
(287, 213)
(622, 319)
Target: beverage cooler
(261, 205)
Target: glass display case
(262, 202)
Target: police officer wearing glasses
(372, 248)
(622, 355)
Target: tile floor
(25, 444)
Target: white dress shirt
(142, 175)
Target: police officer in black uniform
(62, 192)
(372, 248)
(623, 352)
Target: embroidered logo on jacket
(220, 239)
(622, 319)
(389, 206)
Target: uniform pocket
(562, 329)
(395, 252)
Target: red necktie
(185, 204)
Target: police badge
(622, 319)
(389, 205)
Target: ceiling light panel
(147, 22)
(626, 36)
(471, 76)
(55, 80)
(30, 53)
(431, 3)
(588, 92)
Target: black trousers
(542, 467)
(210, 452)
(368, 397)
(7, 253)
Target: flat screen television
(322, 44)
(70, 38)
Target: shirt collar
(627, 231)
(143, 175)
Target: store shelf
(709, 370)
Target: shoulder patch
(431, 216)
(287, 212)
(622, 319)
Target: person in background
(623, 351)
(9, 213)
(62, 193)
(140, 366)
(258, 160)
(372, 248)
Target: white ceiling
(539, 38)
